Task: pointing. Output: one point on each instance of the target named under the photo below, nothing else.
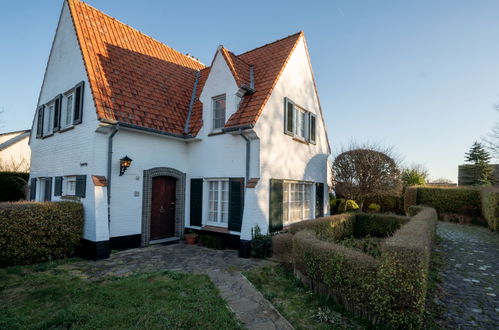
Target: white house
(219, 148)
(14, 151)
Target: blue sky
(421, 76)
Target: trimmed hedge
(282, 247)
(378, 225)
(490, 207)
(388, 290)
(12, 186)
(32, 232)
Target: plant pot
(191, 239)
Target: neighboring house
(465, 175)
(215, 149)
(14, 151)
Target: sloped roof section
(240, 69)
(134, 78)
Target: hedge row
(12, 186)
(388, 290)
(33, 232)
(378, 225)
(464, 204)
(329, 228)
(490, 207)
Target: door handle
(162, 209)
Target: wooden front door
(163, 207)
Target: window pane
(69, 109)
(225, 202)
(312, 128)
(219, 112)
(289, 115)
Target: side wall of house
(16, 157)
(72, 152)
(281, 156)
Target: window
(299, 122)
(218, 112)
(218, 202)
(48, 119)
(44, 189)
(67, 110)
(69, 188)
(296, 201)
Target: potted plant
(191, 237)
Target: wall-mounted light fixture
(125, 163)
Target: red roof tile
(138, 80)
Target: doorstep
(165, 241)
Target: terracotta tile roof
(137, 80)
(133, 78)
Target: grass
(45, 297)
(299, 305)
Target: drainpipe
(247, 153)
(109, 163)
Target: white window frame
(41, 184)
(48, 118)
(301, 122)
(220, 182)
(69, 186)
(295, 210)
(65, 114)
(213, 112)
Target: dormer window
(218, 112)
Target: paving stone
(467, 293)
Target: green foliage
(212, 242)
(46, 296)
(482, 173)
(377, 225)
(477, 154)
(332, 228)
(465, 201)
(413, 176)
(347, 205)
(33, 232)
(392, 204)
(12, 186)
(334, 204)
(282, 247)
(490, 207)
(261, 245)
(390, 289)
(373, 207)
(410, 198)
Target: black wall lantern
(125, 163)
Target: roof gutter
(109, 165)
(238, 128)
(191, 103)
(147, 129)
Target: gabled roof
(137, 80)
(17, 137)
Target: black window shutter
(81, 185)
(196, 202)
(32, 189)
(312, 130)
(39, 123)
(319, 199)
(57, 113)
(236, 203)
(48, 189)
(288, 116)
(275, 207)
(78, 110)
(58, 186)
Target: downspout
(109, 163)
(248, 155)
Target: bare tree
(13, 165)
(365, 171)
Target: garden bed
(386, 285)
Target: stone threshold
(165, 241)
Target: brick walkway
(222, 266)
(470, 287)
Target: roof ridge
(140, 32)
(19, 131)
(270, 43)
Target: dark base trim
(125, 242)
(232, 242)
(93, 250)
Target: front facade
(217, 149)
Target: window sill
(66, 129)
(47, 136)
(215, 229)
(300, 140)
(70, 197)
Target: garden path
(223, 267)
(470, 287)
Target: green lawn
(44, 297)
(299, 305)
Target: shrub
(394, 204)
(410, 198)
(12, 186)
(33, 232)
(490, 207)
(465, 201)
(378, 225)
(335, 203)
(402, 276)
(347, 205)
(261, 245)
(282, 247)
(331, 228)
(373, 207)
